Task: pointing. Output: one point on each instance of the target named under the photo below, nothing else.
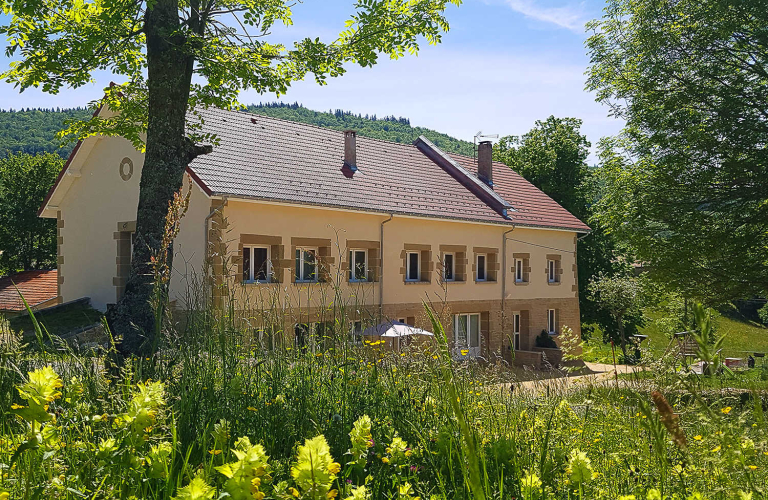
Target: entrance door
(466, 330)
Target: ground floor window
(516, 331)
(313, 336)
(552, 321)
(466, 330)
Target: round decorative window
(126, 168)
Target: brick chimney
(485, 162)
(350, 153)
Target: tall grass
(171, 425)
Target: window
(306, 265)
(519, 270)
(358, 265)
(256, 265)
(552, 321)
(467, 334)
(357, 333)
(516, 331)
(448, 267)
(552, 271)
(412, 273)
(482, 274)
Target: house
(288, 214)
(39, 289)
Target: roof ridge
(312, 125)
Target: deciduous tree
(26, 241)
(553, 157)
(686, 184)
(157, 46)
(622, 298)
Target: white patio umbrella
(394, 329)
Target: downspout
(381, 266)
(504, 277)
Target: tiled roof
(272, 159)
(37, 287)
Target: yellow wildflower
(697, 438)
(726, 410)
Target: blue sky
(503, 65)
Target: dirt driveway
(594, 374)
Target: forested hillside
(388, 128)
(34, 130)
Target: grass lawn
(742, 338)
(58, 321)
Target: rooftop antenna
(480, 135)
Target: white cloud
(571, 17)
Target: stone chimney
(350, 153)
(485, 162)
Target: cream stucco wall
(91, 208)
(339, 226)
(95, 202)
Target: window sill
(454, 282)
(357, 282)
(417, 282)
(258, 283)
(552, 334)
(521, 283)
(486, 282)
(553, 283)
(316, 282)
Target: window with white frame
(552, 321)
(482, 271)
(413, 266)
(552, 271)
(358, 265)
(467, 332)
(519, 270)
(306, 264)
(516, 331)
(256, 264)
(449, 269)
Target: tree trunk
(168, 152)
